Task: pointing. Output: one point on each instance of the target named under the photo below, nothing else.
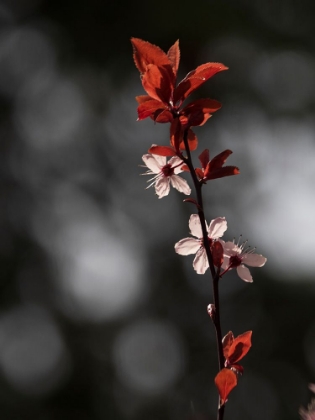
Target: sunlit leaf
(145, 53)
(225, 381)
(240, 347)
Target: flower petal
(175, 161)
(187, 246)
(195, 226)
(200, 262)
(217, 227)
(152, 163)
(226, 262)
(254, 260)
(244, 273)
(180, 184)
(162, 187)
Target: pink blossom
(195, 245)
(165, 173)
(235, 256)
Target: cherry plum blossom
(165, 174)
(236, 256)
(195, 245)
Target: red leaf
(219, 160)
(192, 141)
(195, 79)
(145, 53)
(148, 108)
(217, 253)
(227, 340)
(162, 151)
(158, 83)
(225, 381)
(221, 172)
(199, 111)
(204, 158)
(173, 55)
(240, 347)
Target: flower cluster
(234, 255)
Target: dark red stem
(214, 274)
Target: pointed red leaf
(157, 82)
(162, 151)
(143, 98)
(199, 111)
(219, 160)
(217, 253)
(195, 79)
(221, 172)
(148, 108)
(225, 381)
(204, 158)
(145, 53)
(173, 55)
(240, 347)
(163, 116)
(227, 340)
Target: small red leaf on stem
(162, 151)
(217, 253)
(225, 381)
(239, 347)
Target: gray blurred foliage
(99, 318)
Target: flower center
(167, 170)
(235, 261)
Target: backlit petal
(180, 184)
(162, 187)
(151, 163)
(217, 227)
(187, 246)
(254, 260)
(194, 226)
(200, 262)
(244, 273)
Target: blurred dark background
(99, 318)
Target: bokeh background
(99, 318)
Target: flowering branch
(164, 104)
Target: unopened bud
(211, 310)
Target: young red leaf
(173, 55)
(195, 79)
(145, 53)
(158, 82)
(149, 108)
(199, 111)
(239, 347)
(225, 381)
(217, 253)
(162, 151)
(204, 158)
(219, 160)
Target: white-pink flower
(165, 173)
(189, 246)
(235, 256)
